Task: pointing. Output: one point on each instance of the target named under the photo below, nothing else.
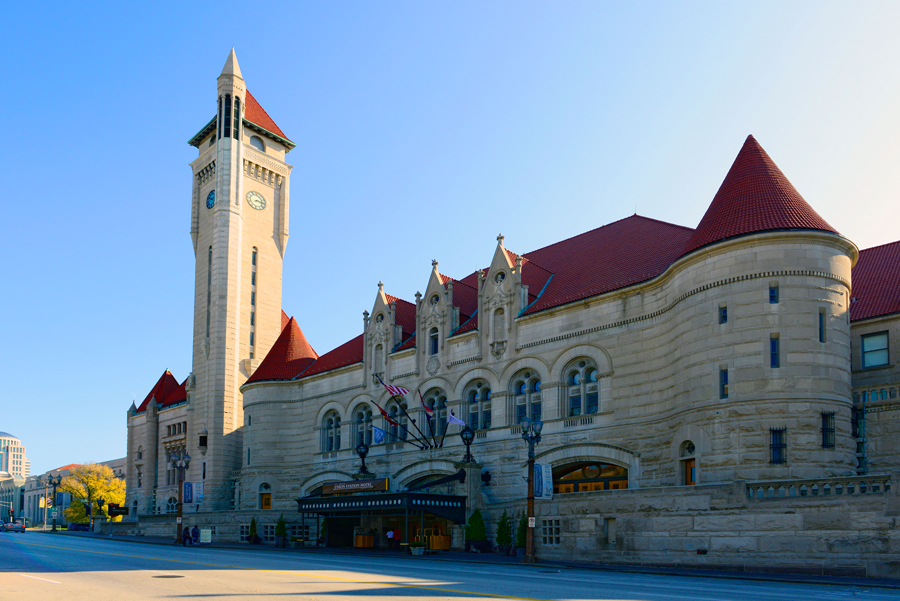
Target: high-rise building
(12, 456)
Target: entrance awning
(451, 507)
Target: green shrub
(521, 530)
(504, 536)
(281, 526)
(416, 543)
(253, 528)
(475, 529)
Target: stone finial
(418, 297)
(380, 286)
(500, 238)
(231, 66)
(434, 264)
(365, 315)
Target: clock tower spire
(239, 223)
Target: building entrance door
(689, 472)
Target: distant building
(12, 456)
(36, 491)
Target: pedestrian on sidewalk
(195, 535)
(185, 537)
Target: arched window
(265, 496)
(331, 429)
(582, 388)
(398, 416)
(257, 143)
(437, 401)
(589, 476)
(478, 397)
(363, 422)
(140, 452)
(134, 508)
(172, 505)
(499, 325)
(433, 341)
(526, 390)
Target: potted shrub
(476, 534)
(296, 542)
(504, 536)
(253, 539)
(521, 531)
(281, 532)
(417, 547)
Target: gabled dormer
(379, 333)
(501, 296)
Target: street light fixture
(180, 462)
(468, 435)
(531, 433)
(54, 482)
(362, 450)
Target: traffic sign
(531, 522)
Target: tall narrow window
(828, 429)
(208, 288)
(526, 392)
(219, 120)
(821, 325)
(723, 382)
(583, 388)
(774, 352)
(226, 131)
(778, 445)
(433, 342)
(773, 294)
(332, 432)
(437, 401)
(723, 314)
(364, 426)
(248, 455)
(237, 118)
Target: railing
(820, 487)
(578, 421)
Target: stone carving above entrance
(433, 365)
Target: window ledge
(873, 368)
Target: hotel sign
(342, 488)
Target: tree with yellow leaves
(89, 483)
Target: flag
(385, 415)
(427, 409)
(378, 434)
(452, 419)
(394, 390)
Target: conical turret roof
(165, 386)
(290, 355)
(754, 197)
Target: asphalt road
(35, 566)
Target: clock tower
(239, 229)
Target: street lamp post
(180, 462)
(531, 433)
(54, 483)
(362, 450)
(468, 435)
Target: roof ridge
(879, 246)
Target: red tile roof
(179, 395)
(284, 319)
(754, 197)
(876, 282)
(67, 467)
(288, 357)
(161, 390)
(347, 354)
(254, 113)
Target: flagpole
(444, 435)
(424, 442)
(418, 443)
(403, 409)
(428, 418)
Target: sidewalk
(495, 558)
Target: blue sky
(423, 130)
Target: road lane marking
(295, 573)
(36, 578)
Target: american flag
(427, 409)
(394, 390)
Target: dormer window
(433, 342)
(257, 143)
(434, 299)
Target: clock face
(256, 200)
(211, 199)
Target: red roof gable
(876, 282)
(288, 357)
(179, 395)
(67, 467)
(754, 197)
(284, 319)
(161, 390)
(254, 113)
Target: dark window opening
(778, 445)
(828, 429)
(227, 127)
(723, 314)
(723, 383)
(773, 295)
(774, 353)
(237, 118)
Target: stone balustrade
(819, 487)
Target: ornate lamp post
(362, 450)
(468, 435)
(180, 462)
(531, 433)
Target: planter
(281, 542)
(417, 550)
(503, 549)
(520, 553)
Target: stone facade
(726, 390)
